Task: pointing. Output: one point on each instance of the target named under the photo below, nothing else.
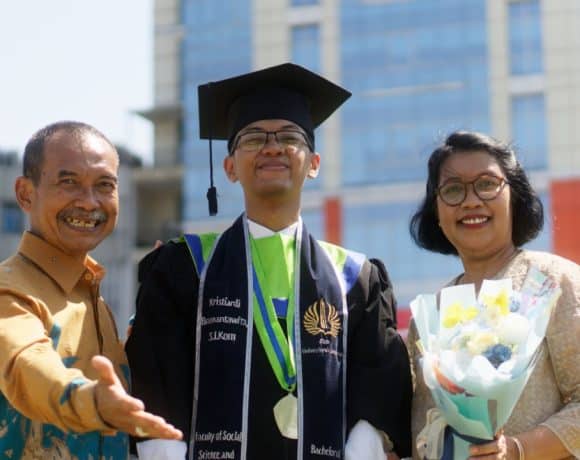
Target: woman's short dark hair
(527, 209)
(34, 150)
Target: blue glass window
(217, 44)
(12, 218)
(529, 132)
(305, 51)
(417, 71)
(525, 37)
(304, 2)
(314, 221)
(382, 231)
(543, 242)
(306, 46)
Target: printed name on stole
(233, 320)
(325, 451)
(222, 336)
(224, 302)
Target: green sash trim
(265, 317)
(280, 356)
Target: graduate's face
(274, 170)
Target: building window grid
(529, 131)
(306, 51)
(525, 37)
(304, 2)
(427, 84)
(206, 59)
(12, 218)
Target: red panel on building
(565, 197)
(333, 221)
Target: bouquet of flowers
(478, 353)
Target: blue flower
(515, 302)
(497, 354)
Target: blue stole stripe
(261, 302)
(352, 268)
(196, 249)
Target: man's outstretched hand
(123, 412)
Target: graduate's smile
(272, 165)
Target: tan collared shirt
(52, 322)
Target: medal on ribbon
(279, 349)
(286, 416)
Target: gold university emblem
(322, 318)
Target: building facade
(418, 70)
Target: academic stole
(227, 288)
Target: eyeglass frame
(501, 186)
(307, 141)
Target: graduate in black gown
(262, 342)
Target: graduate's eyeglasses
(486, 186)
(254, 141)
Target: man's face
(75, 204)
(274, 170)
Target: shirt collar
(259, 231)
(66, 271)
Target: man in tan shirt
(63, 371)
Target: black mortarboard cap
(286, 91)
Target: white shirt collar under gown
(259, 231)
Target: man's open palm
(123, 412)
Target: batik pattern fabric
(52, 322)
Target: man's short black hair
(527, 209)
(34, 150)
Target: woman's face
(477, 228)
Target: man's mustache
(79, 214)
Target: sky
(85, 60)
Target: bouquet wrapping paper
(478, 352)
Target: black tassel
(212, 200)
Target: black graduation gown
(161, 349)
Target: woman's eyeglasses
(486, 187)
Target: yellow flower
(456, 313)
(481, 341)
(469, 313)
(499, 304)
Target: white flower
(514, 329)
